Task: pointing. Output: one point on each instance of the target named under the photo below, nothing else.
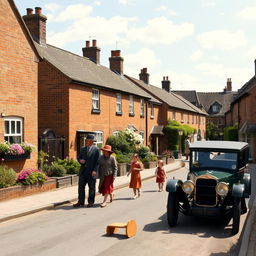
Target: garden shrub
(123, 158)
(30, 177)
(231, 133)
(71, 166)
(143, 152)
(7, 177)
(56, 170)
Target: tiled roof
(83, 70)
(191, 96)
(207, 99)
(172, 99)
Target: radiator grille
(205, 192)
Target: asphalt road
(67, 231)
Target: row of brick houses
(77, 95)
(243, 112)
(215, 104)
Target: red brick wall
(18, 83)
(80, 117)
(53, 100)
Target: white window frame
(7, 135)
(152, 114)
(173, 115)
(99, 138)
(131, 105)
(115, 133)
(142, 107)
(118, 103)
(142, 134)
(95, 99)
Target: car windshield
(212, 159)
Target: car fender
(247, 185)
(172, 185)
(238, 190)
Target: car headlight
(188, 186)
(222, 188)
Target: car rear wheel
(172, 209)
(236, 215)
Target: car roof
(219, 145)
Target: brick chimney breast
(229, 85)
(92, 52)
(116, 62)
(36, 24)
(166, 84)
(144, 75)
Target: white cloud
(222, 39)
(248, 13)
(72, 12)
(197, 55)
(210, 3)
(97, 3)
(98, 27)
(166, 9)
(125, 2)
(136, 61)
(52, 7)
(221, 71)
(160, 30)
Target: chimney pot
(166, 84)
(94, 43)
(29, 11)
(115, 53)
(38, 10)
(164, 78)
(167, 78)
(87, 44)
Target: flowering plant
(167, 153)
(15, 149)
(31, 176)
(132, 137)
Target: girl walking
(160, 175)
(135, 182)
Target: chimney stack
(144, 75)
(92, 52)
(116, 62)
(36, 24)
(229, 85)
(166, 84)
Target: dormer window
(215, 108)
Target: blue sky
(198, 44)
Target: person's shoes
(135, 197)
(78, 205)
(103, 205)
(89, 205)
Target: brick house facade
(243, 113)
(18, 83)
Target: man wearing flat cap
(88, 158)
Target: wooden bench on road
(130, 226)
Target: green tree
(212, 131)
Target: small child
(160, 175)
(135, 182)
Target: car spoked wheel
(172, 209)
(236, 215)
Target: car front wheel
(172, 209)
(236, 215)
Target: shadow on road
(117, 236)
(201, 227)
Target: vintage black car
(217, 183)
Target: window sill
(152, 117)
(119, 113)
(142, 116)
(95, 111)
(131, 114)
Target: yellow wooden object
(130, 226)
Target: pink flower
(16, 149)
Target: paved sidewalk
(30, 204)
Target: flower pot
(62, 182)
(10, 157)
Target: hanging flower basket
(11, 157)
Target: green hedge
(231, 133)
(7, 176)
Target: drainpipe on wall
(146, 124)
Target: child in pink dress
(160, 175)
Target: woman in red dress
(160, 175)
(135, 182)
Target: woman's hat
(107, 148)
